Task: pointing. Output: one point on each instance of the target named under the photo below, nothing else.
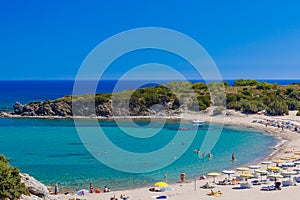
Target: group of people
(210, 155)
(122, 197)
(105, 189)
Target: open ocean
(52, 151)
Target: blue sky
(246, 39)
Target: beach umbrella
(286, 158)
(274, 168)
(261, 173)
(242, 169)
(254, 167)
(82, 192)
(288, 174)
(161, 184)
(297, 170)
(214, 175)
(290, 164)
(294, 157)
(297, 152)
(277, 161)
(275, 176)
(266, 163)
(228, 172)
(297, 163)
(246, 175)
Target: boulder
(35, 187)
(18, 108)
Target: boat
(198, 122)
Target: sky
(49, 40)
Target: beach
(288, 139)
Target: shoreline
(286, 139)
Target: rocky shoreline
(37, 190)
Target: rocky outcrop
(38, 191)
(87, 108)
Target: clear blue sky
(247, 39)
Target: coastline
(286, 139)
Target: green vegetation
(247, 96)
(10, 181)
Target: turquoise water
(52, 151)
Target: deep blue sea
(51, 150)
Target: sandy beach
(188, 189)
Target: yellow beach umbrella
(294, 157)
(286, 158)
(297, 152)
(246, 175)
(277, 161)
(242, 169)
(161, 184)
(274, 168)
(214, 175)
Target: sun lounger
(297, 179)
(268, 188)
(286, 183)
(245, 186)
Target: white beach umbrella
(228, 172)
(242, 169)
(266, 163)
(289, 164)
(297, 163)
(261, 173)
(297, 170)
(288, 174)
(254, 167)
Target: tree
(10, 181)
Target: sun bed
(245, 185)
(297, 179)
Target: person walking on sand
(182, 176)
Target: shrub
(10, 181)
(298, 113)
(218, 110)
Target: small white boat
(198, 122)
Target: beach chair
(268, 188)
(245, 185)
(286, 183)
(297, 179)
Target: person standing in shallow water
(182, 177)
(233, 157)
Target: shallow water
(51, 151)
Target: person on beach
(91, 188)
(202, 177)
(106, 189)
(182, 176)
(56, 189)
(165, 177)
(233, 157)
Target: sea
(52, 151)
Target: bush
(298, 113)
(218, 110)
(10, 181)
